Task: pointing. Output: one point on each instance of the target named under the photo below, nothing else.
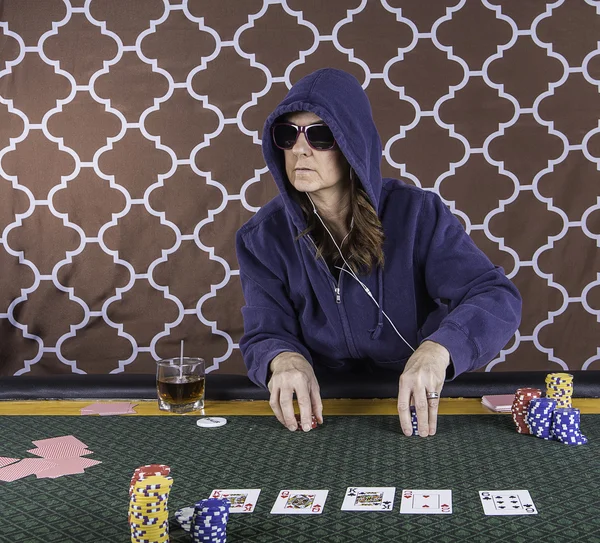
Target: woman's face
(323, 174)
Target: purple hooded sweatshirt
(435, 283)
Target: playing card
(67, 466)
(369, 498)
(300, 502)
(72, 440)
(24, 468)
(507, 502)
(426, 502)
(108, 408)
(63, 466)
(240, 500)
(60, 450)
(5, 461)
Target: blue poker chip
(213, 503)
(208, 527)
(201, 519)
(198, 531)
(208, 537)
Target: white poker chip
(211, 422)
(184, 517)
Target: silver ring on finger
(432, 395)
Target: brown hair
(363, 248)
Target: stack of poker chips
(540, 416)
(209, 521)
(565, 426)
(552, 417)
(413, 416)
(559, 387)
(148, 512)
(520, 406)
(184, 517)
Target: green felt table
(469, 453)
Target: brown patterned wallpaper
(130, 154)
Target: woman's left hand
(424, 372)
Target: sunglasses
(319, 136)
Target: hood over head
(339, 100)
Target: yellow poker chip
(145, 529)
(140, 515)
(150, 512)
(155, 480)
(145, 500)
(149, 530)
(142, 538)
(153, 529)
(559, 376)
(164, 539)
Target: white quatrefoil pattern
(130, 155)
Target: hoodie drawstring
(376, 332)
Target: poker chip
(559, 386)
(413, 416)
(565, 427)
(211, 422)
(552, 417)
(148, 514)
(209, 520)
(313, 423)
(184, 517)
(520, 406)
(539, 417)
(149, 470)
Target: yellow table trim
(448, 406)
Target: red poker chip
(313, 423)
(520, 407)
(149, 470)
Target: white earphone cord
(350, 271)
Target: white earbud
(350, 271)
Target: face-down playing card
(241, 500)
(24, 468)
(369, 498)
(507, 502)
(300, 502)
(426, 502)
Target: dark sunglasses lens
(285, 135)
(320, 137)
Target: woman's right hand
(291, 373)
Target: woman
(346, 269)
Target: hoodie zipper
(336, 289)
(338, 300)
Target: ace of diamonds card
(426, 502)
